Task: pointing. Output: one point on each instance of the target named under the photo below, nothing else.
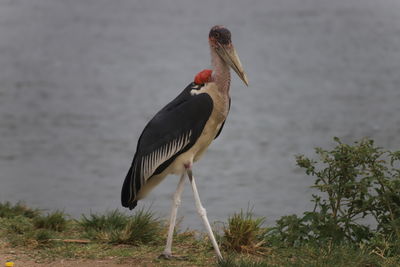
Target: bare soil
(23, 258)
(20, 258)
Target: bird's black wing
(172, 131)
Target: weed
(105, 227)
(243, 233)
(43, 235)
(18, 230)
(357, 181)
(115, 227)
(7, 210)
(142, 228)
(354, 182)
(53, 221)
(111, 220)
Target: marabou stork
(179, 134)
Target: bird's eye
(217, 35)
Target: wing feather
(153, 160)
(172, 131)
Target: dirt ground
(20, 259)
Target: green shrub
(353, 182)
(289, 231)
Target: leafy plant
(354, 182)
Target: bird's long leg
(175, 204)
(203, 214)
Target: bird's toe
(169, 256)
(166, 256)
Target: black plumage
(186, 115)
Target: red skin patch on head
(203, 77)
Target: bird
(179, 134)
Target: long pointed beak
(232, 59)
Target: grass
(104, 227)
(138, 239)
(7, 210)
(117, 228)
(244, 233)
(310, 256)
(55, 221)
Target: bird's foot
(203, 77)
(166, 256)
(169, 256)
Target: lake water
(80, 79)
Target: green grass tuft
(105, 227)
(53, 221)
(7, 210)
(142, 228)
(244, 233)
(43, 235)
(115, 227)
(111, 220)
(22, 226)
(18, 230)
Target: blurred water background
(80, 79)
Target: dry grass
(244, 233)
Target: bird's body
(179, 134)
(208, 110)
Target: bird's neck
(221, 73)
